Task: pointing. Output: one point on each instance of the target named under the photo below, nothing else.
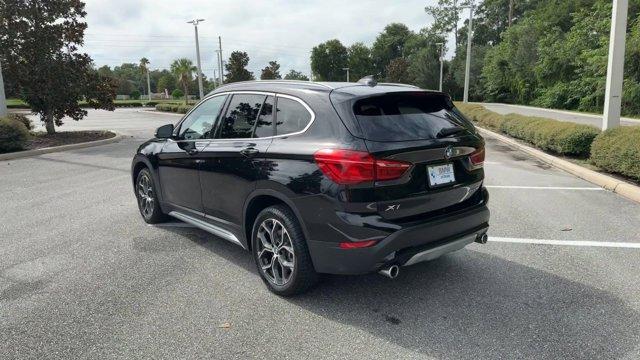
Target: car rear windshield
(408, 116)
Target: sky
(282, 30)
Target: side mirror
(164, 131)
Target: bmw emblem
(448, 152)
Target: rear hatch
(423, 129)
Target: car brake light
(477, 157)
(352, 167)
(357, 244)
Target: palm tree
(144, 67)
(183, 70)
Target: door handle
(249, 152)
(192, 151)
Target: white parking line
(543, 187)
(609, 244)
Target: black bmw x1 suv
(311, 178)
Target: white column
(3, 100)
(615, 68)
(467, 70)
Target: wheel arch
(260, 200)
(140, 162)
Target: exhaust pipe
(482, 239)
(391, 272)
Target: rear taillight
(358, 244)
(477, 158)
(348, 167)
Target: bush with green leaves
(177, 94)
(23, 119)
(618, 151)
(13, 135)
(172, 107)
(135, 95)
(560, 137)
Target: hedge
(117, 103)
(177, 108)
(13, 135)
(560, 137)
(618, 151)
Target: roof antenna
(368, 80)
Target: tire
(287, 273)
(147, 197)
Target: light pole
(347, 69)
(3, 100)
(441, 63)
(221, 61)
(615, 67)
(195, 23)
(467, 70)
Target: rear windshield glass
(408, 116)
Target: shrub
(13, 135)
(23, 119)
(135, 95)
(560, 137)
(618, 151)
(177, 94)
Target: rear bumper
(406, 246)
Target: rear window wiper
(446, 132)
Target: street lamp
(467, 71)
(347, 69)
(441, 63)
(195, 23)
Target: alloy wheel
(275, 252)
(145, 195)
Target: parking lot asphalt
(82, 276)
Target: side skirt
(207, 227)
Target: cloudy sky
(282, 30)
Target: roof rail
(300, 82)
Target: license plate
(441, 174)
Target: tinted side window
(241, 116)
(292, 116)
(199, 123)
(264, 127)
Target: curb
(623, 188)
(35, 152)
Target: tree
(183, 70)
(446, 16)
(360, 62)
(389, 45)
(328, 59)
(271, 72)
(424, 68)
(236, 67)
(398, 71)
(167, 82)
(144, 68)
(295, 75)
(39, 51)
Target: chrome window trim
(267, 93)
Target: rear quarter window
(407, 116)
(291, 116)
